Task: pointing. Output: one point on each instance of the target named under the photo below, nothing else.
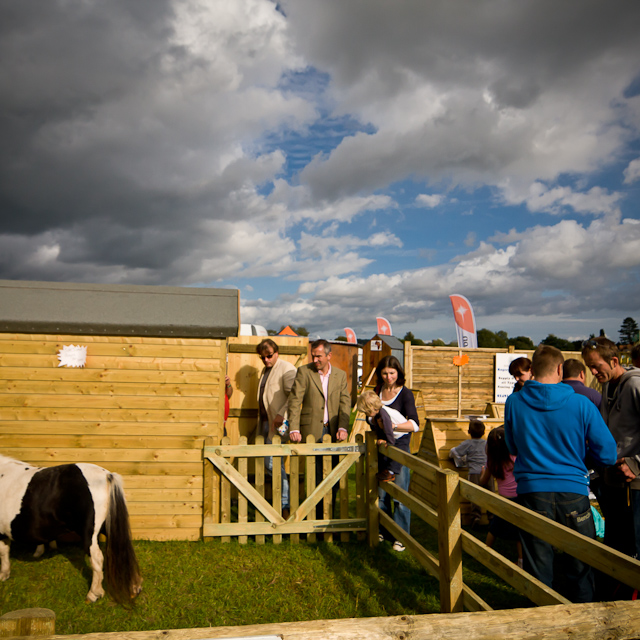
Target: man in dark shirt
(574, 374)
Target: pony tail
(121, 564)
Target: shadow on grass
(397, 583)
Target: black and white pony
(39, 504)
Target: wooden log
(259, 480)
(592, 621)
(28, 622)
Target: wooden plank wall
(140, 407)
(244, 368)
(433, 372)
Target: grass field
(198, 584)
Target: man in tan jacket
(274, 387)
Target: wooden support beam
(449, 542)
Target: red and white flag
(384, 328)
(351, 335)
(465, 322)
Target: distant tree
(628, 331)
(272, 332)
(409, 337)
(341, 339)
(437, 343)
(561, 343)
(489, 339)
(453, 343)
(522, 343)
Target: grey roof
(390, 341)
(129, 310)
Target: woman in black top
(390, 387)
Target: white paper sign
(504, 381)
(376, 345)
(72, 356)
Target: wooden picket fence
(253, 514)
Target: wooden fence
(254, 515)
(440, 507)
(444, 516)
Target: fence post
(449, 540)
(28, 622)
(371, 491)
(211, 489)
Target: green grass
(198, 584)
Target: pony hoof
(4, 575)
(92, 597)
(39, 551)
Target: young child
(381, 419)
(472, 453)
(500, 466)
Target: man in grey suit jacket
(319, 402)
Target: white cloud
(429, 201)
(632, 172)
(538, 197)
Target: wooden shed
(149, 393)
(377, 348)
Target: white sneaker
(380, 537)
(398, 546)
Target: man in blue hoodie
(550, 429)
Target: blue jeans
(574, 511)
(401, 513)
(268, 465)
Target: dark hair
(476, 429)
(321, 343)
(498, 456)
(389, 362)
(545, 360)
(606, 349)
(265, 344)
(572, 368)
(519, 365)
(635, 353)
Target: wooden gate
(253, 514)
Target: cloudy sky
(333, 160)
